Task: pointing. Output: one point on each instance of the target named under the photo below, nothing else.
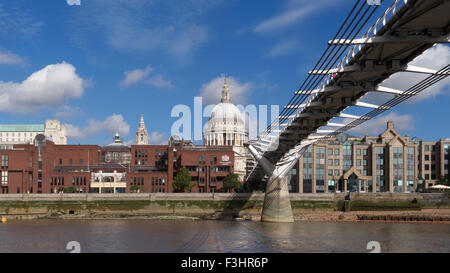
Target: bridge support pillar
(277, 205)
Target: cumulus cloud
(110, 125)
(134, 76)
(212, 90)
(434, 58)
(142, 75)
(10, 58)
(157, 138)
(377, 125)
(52, 85)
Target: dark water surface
(219, 236)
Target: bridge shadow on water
(245, 204)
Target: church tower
(141, 133)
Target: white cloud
(292, 12)
(434, 58)
(134, 76)
(212, 91)
(159, 81)
(10, 58)
(157, 138)
(377, 125)
(110, 125)
(282, 48)
(286, 18)
(142, 75)
(52, 85)
(73, 2)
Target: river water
(219, 236)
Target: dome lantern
(225, 92)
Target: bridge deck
(414, 28)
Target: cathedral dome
(225, 125)
(223, 115)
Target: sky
(97, 65)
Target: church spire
(141, 133)
(225, 91)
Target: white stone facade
(226, 127)
(56, 131)
(25, 133)
(142, 133)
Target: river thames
(220, 236)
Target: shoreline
(441, 216)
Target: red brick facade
(47, 167)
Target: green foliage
(231, 181)
(136, 188)
(71, 190)
(443, 181)
(182, 181)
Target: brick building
(43, 167)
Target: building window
(330, 162)
(336, 151)
(4, 161)
(336, 162)
(364, 151)
(427, 147)
(4, 177)
(330, 151)
(358, 151)
(336, 172)
(213, 159)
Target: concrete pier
(277, 205)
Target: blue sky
(99, 65)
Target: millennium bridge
(358, 59)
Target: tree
(136, 188)
(231, 181)
(182, 181)
(71, 189)
(442, 181)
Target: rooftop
(22, 127)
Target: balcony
(118, 184)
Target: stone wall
(202, 205)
